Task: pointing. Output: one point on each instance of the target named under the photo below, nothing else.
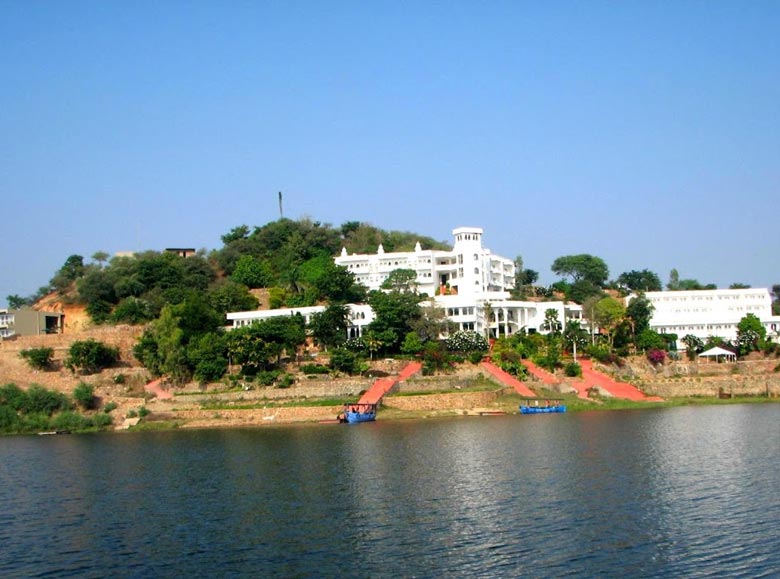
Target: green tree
(551, 324)
(207, 356)
(609, 313)
(132, 310)
(674, 280)
(582, 267)
(751, 334)
(72, 269)
(694, 345)
(644, 280)
(16, 302)
(412, 344)
(432, 322)
(739, 286)
(395, 313)
(638, 314)
(649, 339)
(228, 296)
(338, 285)
(402, 281)
(252, 272)
(329, 327)
(100, 257)
(575, 335)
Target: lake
(677, 492)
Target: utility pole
(281, 212)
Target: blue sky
(646, 133)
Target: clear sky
(646, 133)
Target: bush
(656, 357)
(572, 370)
(602, 354)
(102, 420)
(69, 420)
(309, 369)
(476, 357)
(110, 407)
(343, 360)
(286, 381)
(267, 378)
(43, 401)
(14, 397)
(90, 356)
(84, 395)
(38, 358)
(9, 420)
(467, 341)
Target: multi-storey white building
(705, 313)
(469, 283)
(468, 268)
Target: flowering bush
(466, 341)
(656, 356)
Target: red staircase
(547, 378)
(508, 380)
(383, 385)
(592, 377)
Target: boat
(542, 406)
(356, 412)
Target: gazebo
(719, 354)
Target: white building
(469, 283)
(467, 269)
(705, 313)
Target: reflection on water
(657, 493)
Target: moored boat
(542, 406)
(358, 412)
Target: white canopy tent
(719, 354)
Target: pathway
(617, 389)
(383, 385)
(154, 387)
(547, 378)
(508, 380)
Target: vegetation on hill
(184, 302)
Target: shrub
(144, 412)
(467, 341)
(344, 360)
(267, 378)
(656, 356)
(120, 379)
(572, 370)
(476, 357)
(286, 381)
(110, 407)
(309, 369)
(90, 356)
(69, 420)
(84, 395)
(14, 397)
(43, 401)
(9, 420)
(38, 358)
(102, 420)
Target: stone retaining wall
(454, 401)
(736, 385)
(256, 417)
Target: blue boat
(358, 412)
(537, 406)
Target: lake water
(681, 492)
